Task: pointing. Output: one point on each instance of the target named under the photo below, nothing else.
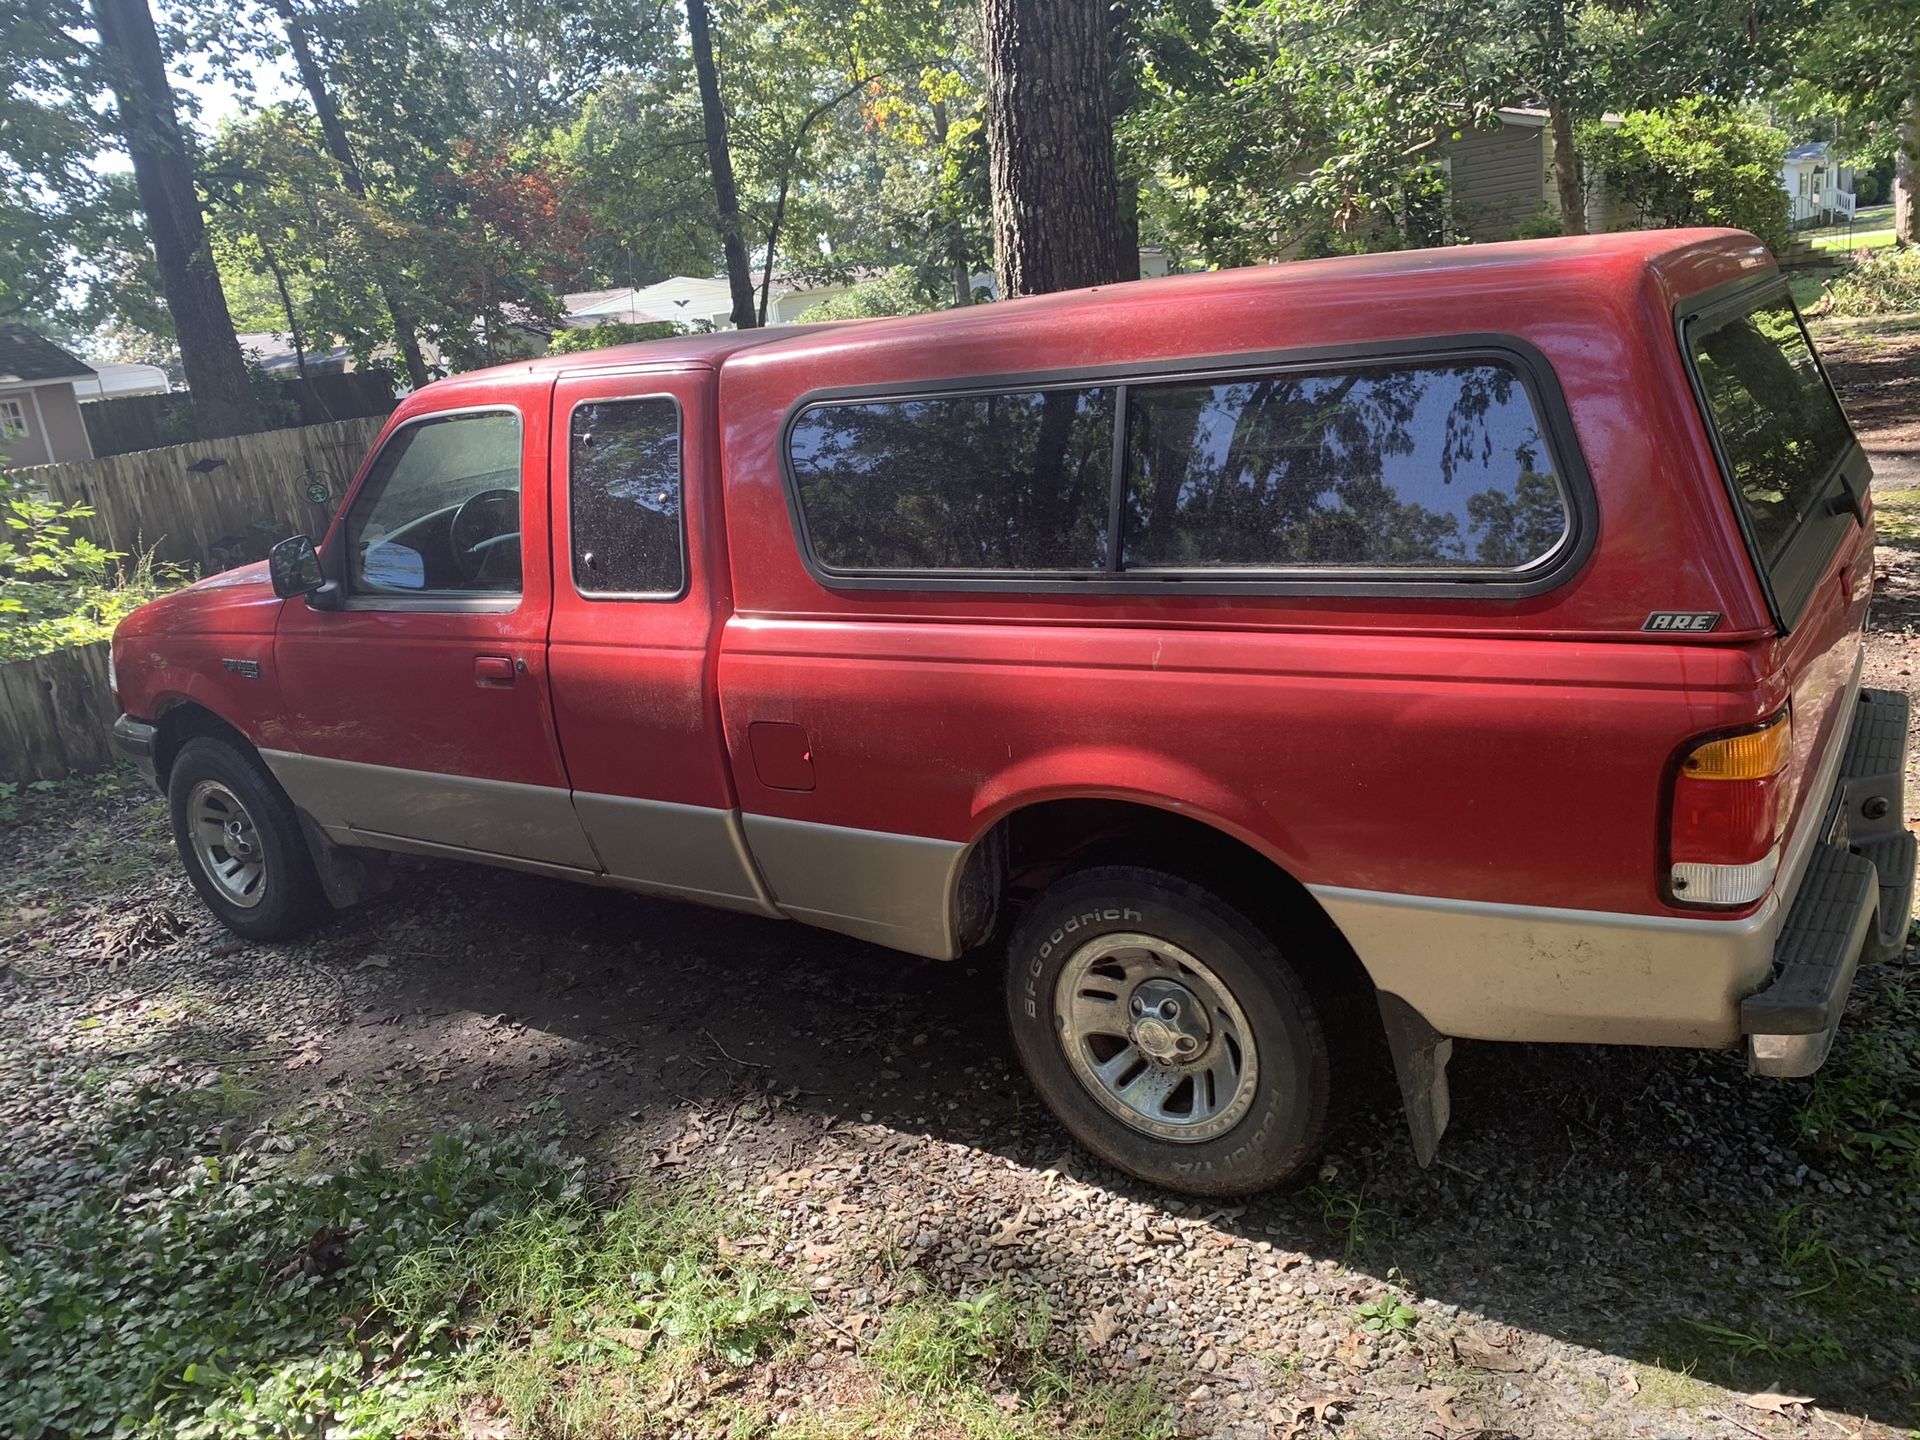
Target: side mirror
(294, 565)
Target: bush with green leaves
(1696, 164)
(1887, 282)
(609, 333)
(57, 587)
(893, 292)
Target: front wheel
(241, 842)
(1168, 1033)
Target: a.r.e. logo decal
(1691, 622)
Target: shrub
(1696, 164)
(1887, 282)
(1542, 225)
(58, 588)
(611, 332)
(893, 293)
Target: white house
(1819, 184)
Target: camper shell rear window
(1788, 455)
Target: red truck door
(421, 708)
(639, 590)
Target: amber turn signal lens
(1752, 756)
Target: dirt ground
(1614, 1243)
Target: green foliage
(58, 588)
(611, 332)
(1695, 164)
(1886, 283)
(897, 292)
(205, 1297)
(1863, 1105)
(1542, 226)
(1387, 1315)
(170, 1297)
(937, 1346)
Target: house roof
(1812, 150)
(26, 356)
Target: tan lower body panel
(895, 890)
(688, 852)
(1520, 972)
(488, 817)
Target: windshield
(1780, 427)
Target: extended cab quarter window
(1432, 467)
(1782, 434)
(625, 498)
(439, 514)
(1011, 481)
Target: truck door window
(439, 514)
(1435, 466)
(1009, 481)
(624, 498)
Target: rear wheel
(241, 842)
(1168, 1033)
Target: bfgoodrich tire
(241, 843)
(1168, 1033)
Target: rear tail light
(1729, 809)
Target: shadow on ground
(1656, 1206)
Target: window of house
(625, 498)
(439, 514)
(13, 419)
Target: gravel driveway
(1614, 1242)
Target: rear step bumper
(1853, 904)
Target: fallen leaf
(1102, 1327)
(1775, 1403)
(1469, 1349)
(305, 1056)
(375, 962)
(1009, 1232)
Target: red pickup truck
(1468, 639)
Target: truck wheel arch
(179, 721)
(1028, 846)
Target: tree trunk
(1568, 183)
(406, 337)
(1050, 145)
(209, 351)
(1124, 94)
(720, 161)
(1906, 177)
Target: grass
(1896, 516)
(165, 1286)
(1859, 240)
(1863, 1106)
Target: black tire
(288, 899)
(1285, 1120)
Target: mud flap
(1420, 1055)
(348, 875)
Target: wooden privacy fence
(125, 423)
(212, 504)
(55, 714)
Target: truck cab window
(623, 467)
(439, 514)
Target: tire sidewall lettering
(1075, 928)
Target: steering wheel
(481, 530)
